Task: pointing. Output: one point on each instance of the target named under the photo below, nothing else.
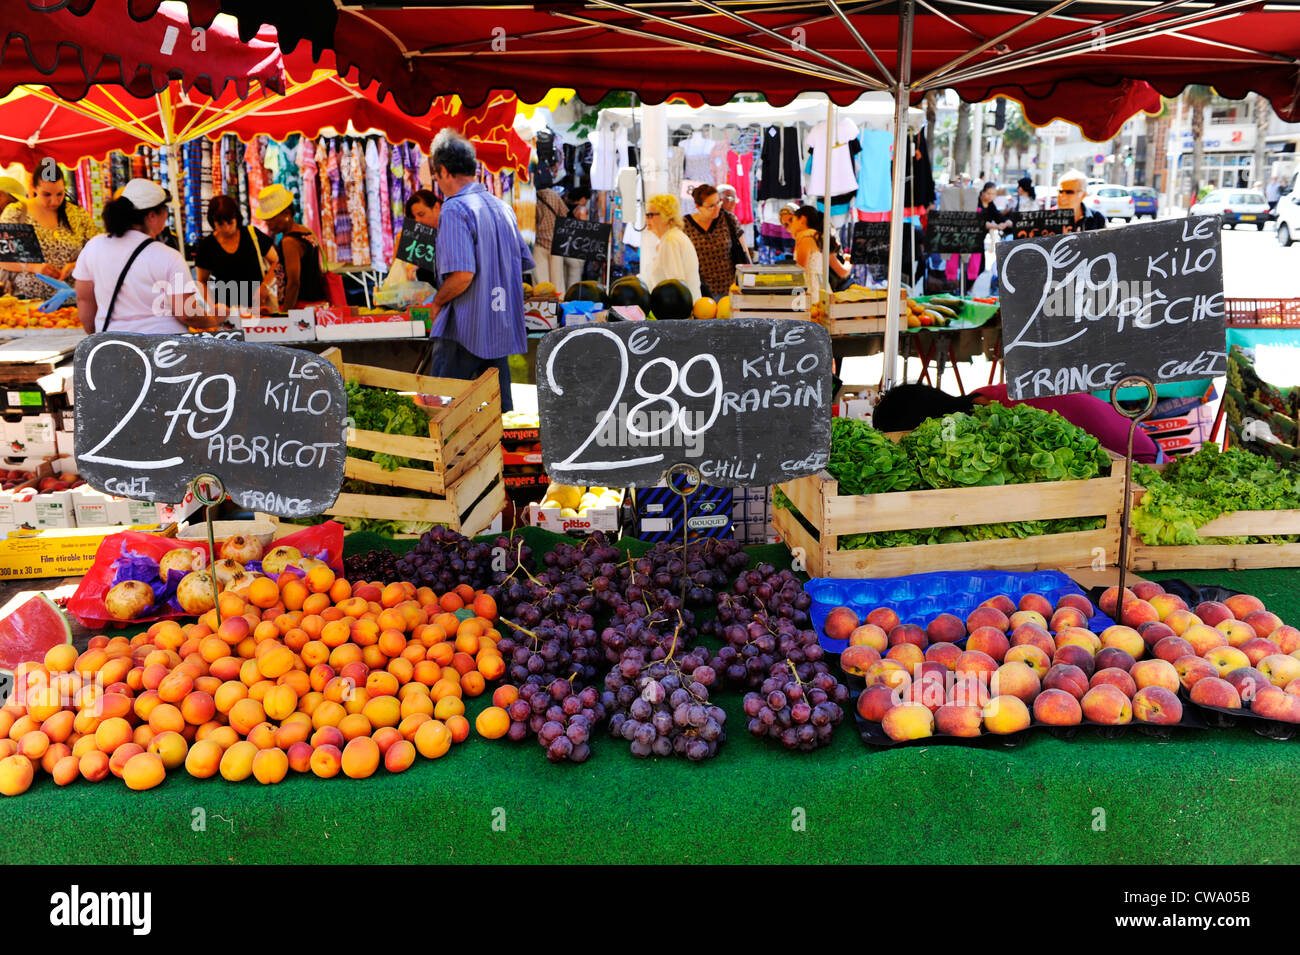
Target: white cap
(145, 194)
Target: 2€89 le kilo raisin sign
(156, 411)
(745, 402)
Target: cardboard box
(541, 315)
(660, 514)
(51, 553)
(607, 519)
(37, 467)
(298, 326)
(65, 442)
(521, 458)
(338, 323)
(30, 435)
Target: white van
(1288, 214)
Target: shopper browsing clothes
(304, 269)
(674, 257)
(62, 230)
(127, 281)
(478, 313)
(708, 230)
(730, 199)
(237, 257)
(1070, 190)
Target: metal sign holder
(1134, 417)
(690, 476)
(210, 491)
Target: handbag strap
(108, 316)
(257, 250)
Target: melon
(586, 292)
(28, 632)
(630, 291)
(671, 300)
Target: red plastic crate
(1263, 312)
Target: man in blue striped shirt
(478, 313)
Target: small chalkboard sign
(18, 243)
(746, 401)
(1032, 223)
(580, 239)
(1085, 310)
(870, 243)
(955, 231)
(155, 411)
(418, 244)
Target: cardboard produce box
(298, 326)
(339, 323)
(52, 553)
(30, 435)
(661, 511)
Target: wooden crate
(1153, 557)
(831, 515)
(858, 318)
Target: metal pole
(826, 198)
(906, 13)
(174, 176)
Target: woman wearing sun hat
(304, 279)
(127, 281)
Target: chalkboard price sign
(18, 243)
(1033, 223)
(155, 411)
(746, 401)
(418, 244)
(580, 239)
(955, 231)
(870, 243)
(1085, 310)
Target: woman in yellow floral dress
(62, 229)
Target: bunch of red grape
(562, 717)
(800, 711)
(662, 708)
(763, 621)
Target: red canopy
(70, 53)
(1083, 61)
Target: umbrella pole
(826, 198)
(906, 12)
(174, 177)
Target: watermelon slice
(28, 632)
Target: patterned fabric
(59, 245)
(356, 192)
(328, 243)
(713, 248)
(310, 185)
(374, 219)
(339, 200)
(718, 167)
(386, 230)
(549, 208)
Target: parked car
(1111, 200)
(1146, 201)
(1236, 206)
(1288, 214)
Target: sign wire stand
(209, 491)
(1134, 417)
(691, 477)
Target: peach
(1287, 639)
(65, 771)
(1108, 657)
(907, 721)
(1247, 682)
(1022, 617)
(857, 659)
(1067, 677)
(1115, 677)
(1155, 704)
(1237, 631)
(1057, 708)
(117, 762)
(1166, 605)
(970, 690)
(1279, 668)
(1155, 673)
(270, 766)
(1213, 691)
(1110, 597)
(171, 748)
(1036, 603)
(299, 755)
(1204, 639)
(891, 673)
(874, 702)
(326, 761)
(112, 733)
(1192, 669)
(1000, 602)
(1006, 714)
(1153, 633)
(93, 766)
(985, 616)
(433, 739)
(1179, 620)
(1146, 589)
(1032, 657)
(1138, 612)
(399, 756)
(957, 719)
(1243, 605)
(144, 771)
(990, 640)
(1293, 688)
(884, 618)
(943, 653)
(237, 761)
(1066, 617)
(976, 663)
(204, 759)
(1078, 636)
(908, 633)
(1275, 704)
(1227, 659)
(945, 628)
(869, 635)
(1264, 622)
(840, 622)
(1172, 649)
(1015, 679)
(1079, 602)
(1212, 612)
(1033, 635)
(1125, 638)
(16, 774)
(1107, 705)
(1077, 656)
(929, 693)
(908, 654)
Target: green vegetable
(1194, 490)
(864, 461)
(378, 409)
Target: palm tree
(1017, 137)
(1153, 149)
(961, 140)
(1197, 97)
(1263, 113)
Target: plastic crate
(1263, 312)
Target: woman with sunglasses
(675, 257)
(237, 259)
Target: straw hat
(272, 200)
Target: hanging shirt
(477, 233)
(740, 176)
(779, 173)
(699, 157)
(374, 217)
(874, 186)
(386, 230)
(843, 179)
(329, 244)
(719, 168)
(310, 185)
(356, 191)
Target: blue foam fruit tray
(919, 598)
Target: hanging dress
(374, 217)
(356, 191)
(326, 233)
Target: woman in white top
(146, 285)
(675, 256)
